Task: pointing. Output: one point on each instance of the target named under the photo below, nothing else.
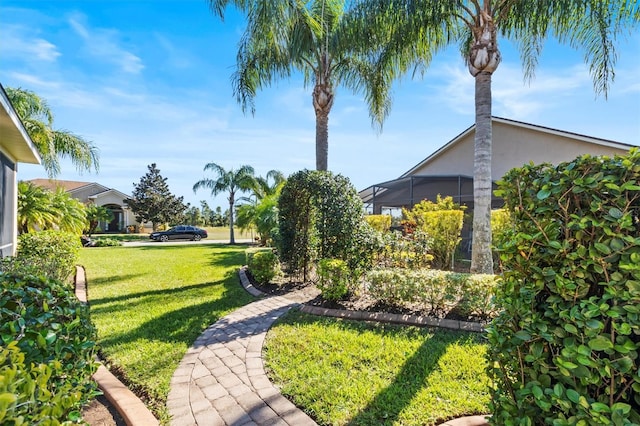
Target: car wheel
(164, 238)
(197, 237)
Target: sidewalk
(221, 380)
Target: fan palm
(287, 36)
(53, 145)
(407, 33)
(230, 181)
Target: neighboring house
(449, 170)
(99, 195)
(15, 146)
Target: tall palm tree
(287, 36)
(230, 181)
(406, 33)
(53, 145)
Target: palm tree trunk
(232, 200)
(322, 140)
(481, 258)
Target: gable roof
(520, 124)
(54, 184)
(14, 139)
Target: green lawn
(356, 373)
(150, 303)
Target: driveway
(183, 242)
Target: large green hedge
(565, 348)
(46, 351)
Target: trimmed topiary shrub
(47, 353)
(565, 349)
(264, 266)
(333, 278)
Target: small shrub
(439, 290)
(379, 222)
(264, 266)
(106, 242)
(47, 352)
(334, 278)
(478, 295)
(399, 251)
(390, 285)
(49, 253)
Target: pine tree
(152, 201)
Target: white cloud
(20, 42)
(103, 44)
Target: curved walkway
(221, 379)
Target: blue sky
(148, 81)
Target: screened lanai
(410, 190)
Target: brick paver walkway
(221, 379)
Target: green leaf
(573, 395)
(523, 335)
(600, 343)
(615, 213)
(543, 194)
(602, 248)
(599, 407)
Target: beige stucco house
(15, 147)
(449, 170)
(99, 195)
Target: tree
(52, 145)
(41, 209)
(408, 33)
(260, 210)
(152, 201)
(230, 181)
(95, 215)
(285, 36)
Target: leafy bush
(49, 253)
(565, 349)
(398, 251)
(334, 278)
(47, 353)
(438, 291)
(379, 222)
(264, 266)
(106, 242)
(442, 222)
(320, 216)
(478, 295)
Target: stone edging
(374, 316)
(130, 407)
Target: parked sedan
(181, 232)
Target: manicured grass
(150, 303)
(356, 373)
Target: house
(449, 170)
(99, 195)
(15, 147)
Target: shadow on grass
(387, 405)
(181, 325)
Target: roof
(53, 184)
(461, 136)
(14, 138)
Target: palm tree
(52, 145)
(260, 210)
(284, 36)
(230, 181)
(95, 215)
(407, 33)
(34, 208)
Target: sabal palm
(287, 36)
(230, 181)
(53, 145)
(407, 33)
